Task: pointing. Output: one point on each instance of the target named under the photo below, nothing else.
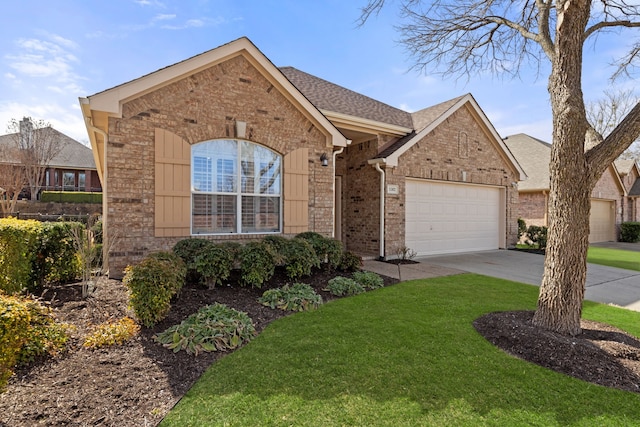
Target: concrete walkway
(607, 285)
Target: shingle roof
(534, 156)
(73, 154)
(325, 95)
(624, 165)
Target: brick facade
(441, 156)
(532, 207)
(202, 107)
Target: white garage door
(448, 218)
(602, 221)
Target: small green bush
(256, 263)
(153, 282)
(298, 297)
(299, 258)
(343, 286)
(350, 261)
(522, 227)
(278, 246)
(328, 250)
(630, 232)
(537, 236)
(45, 336)
(214, 263)
(188, 250)
(56, 260)
(19, 241)
(14, 326)
(213, 328)
(368, 279)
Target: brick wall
(201, 107)
(439, 156)
(532, 208)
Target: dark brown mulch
(131, 385)
(601, 354)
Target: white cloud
(49, 58)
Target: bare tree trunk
(565, 268)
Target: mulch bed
(138, 383)
(131, 385)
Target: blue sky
(52, 52)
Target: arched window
(236, 187)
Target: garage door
(448, 218)
(602, 221)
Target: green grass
(629, 260)
(405, 355)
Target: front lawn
(405, 355)
(619, 258)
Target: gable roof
(73, 154)
(534, 155)
(430, 118)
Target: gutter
(376, 163)
(333, 205)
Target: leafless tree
(12, 181)
(605, 114)
(461, 37)
(37, 145)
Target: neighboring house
(607, 197)
(72, 169)
(227, 146)
(630, 175)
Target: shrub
(256, 263)
(14, 324)
(70, 197)
(188, 250)
(213, 328)
(537, 235)
(278, 246)
(343, 286)
(327, 249)
(299, 258)
(57, 257)
(214, 263)
(45, 337)
(28, 330)
(630, 232)
(522, 227)
(298, 297)
(112, 333)
(368, 279)
(153, 282)
(18, 247)
(350, 261)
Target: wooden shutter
(296, 191)
(172, 185)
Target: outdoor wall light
(324, 159)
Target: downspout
(382, 181)
(105, 223)
(333, 209)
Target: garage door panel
(602, 221)
(448, 218)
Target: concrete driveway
(604, 284)
(607, 285)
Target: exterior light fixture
(324, 159)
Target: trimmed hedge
(34, 253)
(71, 197)
(630, 232)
